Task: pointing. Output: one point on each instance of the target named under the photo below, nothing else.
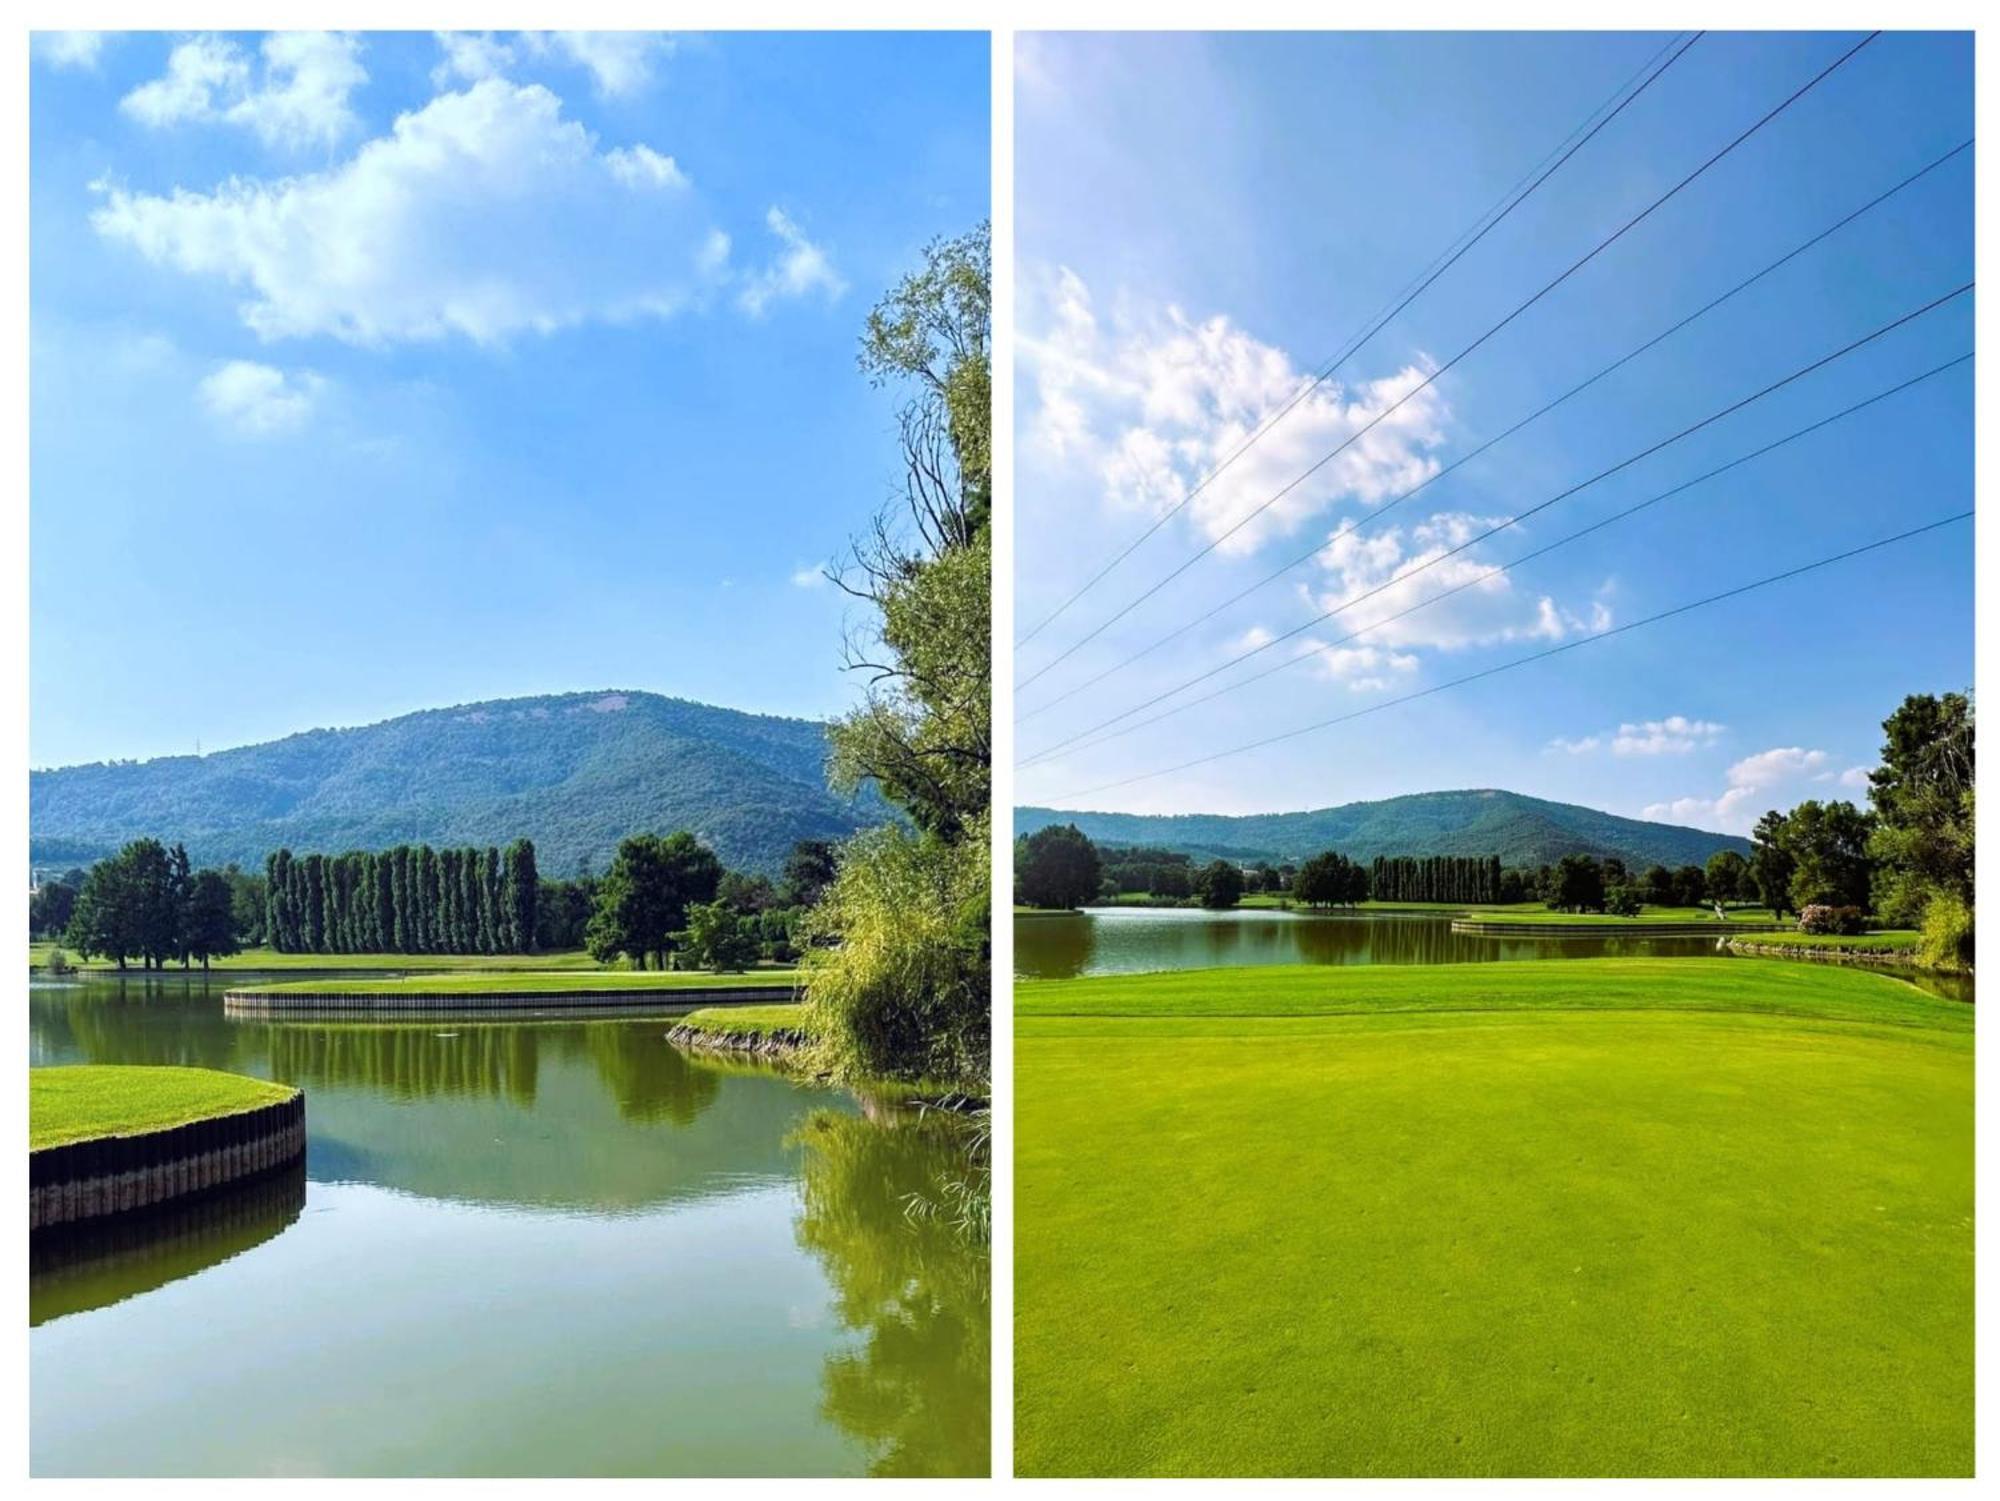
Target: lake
(528, 1247)
(1129, 940)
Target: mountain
(1520, 830)
(574, 772)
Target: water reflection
(715, 1257)
(74, 1268)
(916, 1389)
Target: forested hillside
(573, 772)
(1522, 831)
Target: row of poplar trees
(408, 900)
(1435, 878)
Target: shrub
(1947, 933)
(1623, 901)
(1820, 918)
(59, 963)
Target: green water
(1130, 940)
(531, 1247)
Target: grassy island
(759, 1022)
(543, 982)
(84, 1102)
(1567, 1217)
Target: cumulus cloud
(298, 98)
(1753, 784)
(485, 214)
(1583, 745)
(800, 269)
(1856, 778)
(1373, 575)
(620, 63)
(259, 401)
(69, 49)
(1148, 403)
(1675, 735)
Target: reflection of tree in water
(917, 1288)
(649, 1079)
(406, 1062)
(135, 1021)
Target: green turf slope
(1575, 1217)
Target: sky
(1205, 221)
(387, 372)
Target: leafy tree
(49, 907)
(644, 898)
(719, 938)
(209, 926)
(1690, 886)
(1057, 867)
(1725, 875)
(1828, 843)
(1771, 863)
(1923, 837)
(103, 918)
(809, 870)
(1221, 885)
(1579, 885)
(1658, 884)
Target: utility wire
(1378, 512)
(1430, 379)
(1527, 557)
(1411, 291)
(1514, 520)
(1473, 677)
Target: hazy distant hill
(1520, 830)
(574, 772)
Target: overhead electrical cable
(1432, 378)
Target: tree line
(411, 899)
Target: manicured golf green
(1565, 1217)
(81, 1101)
(551, 982)
(745, 1021)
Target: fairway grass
(543, 982)
(1569, 1217)
(85, 1101)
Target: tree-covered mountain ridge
(574, 772)
(1521, 830)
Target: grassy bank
(761, 1022)
(82, 1101)
(1512, 912)
(1570, 1217)
(261, 959)
(562, 982)
(1888, 941)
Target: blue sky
(377, 373)
(1203, 220)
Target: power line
(1514, 520)
(1473, 677)
(1412, 290)
(1528, 557)
(1534, 416)
(1430, 379)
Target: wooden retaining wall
(407, 1002)
(1612, 930)
(83, 1180)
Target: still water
(1129, 940)
(531, 1247)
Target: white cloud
(1856, 777)
(1373, 575)
(808, 576)
(801, 268)
(70, 49)
(1362, 669)
(1148, 404)
(484, 214)
(1753, 785)
(620, 63)
(1582, 746)
(1673, 736)
(301, 98)
(259, 401)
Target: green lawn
(1569, 1217)
(745, 1021)
(271, 959)
(1521, 912)
(505, 983)
(85, 1100)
